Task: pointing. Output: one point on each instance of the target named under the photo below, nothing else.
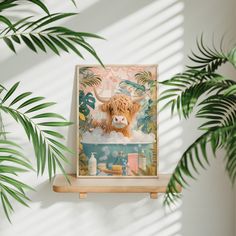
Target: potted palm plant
(38, 34)
(212, 97)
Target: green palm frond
(213, 96)
(38, 36)
(12, 162)
(231, 90)
(186, 89)
(220, 128)
(210, 58)
(232, 57)
(219, 110)
(231, 155)
(2, 87)
(29, 112)
(196, 156)
(6, 4)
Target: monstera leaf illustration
(86, 101)
(147, 121)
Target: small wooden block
(153, 195)
(82, 195)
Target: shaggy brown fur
(118, 105)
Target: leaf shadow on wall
(137, 214)
(123, 214)
(26, 59)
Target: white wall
(137, 31)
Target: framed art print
(117, 121)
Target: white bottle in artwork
(142, 161)
(92, 165)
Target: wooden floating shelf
(153, 186)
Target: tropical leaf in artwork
(86, 101)
(85, 125)
(88, 78)
(83, 164)
(82, 117)
(144, 77)
(150, 171)
(147, 121)
(38, 125)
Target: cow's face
(120, 110)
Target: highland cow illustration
(117, 121)
(120, 110)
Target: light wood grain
(153, 195)
(82, 195)
(83, 186)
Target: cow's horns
(138, 99)
(99, 98)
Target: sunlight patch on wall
(152, 34)
(145, 35)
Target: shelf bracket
(153, 195)
(83, 195)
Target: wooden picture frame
(139, 85)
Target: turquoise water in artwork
(110, 154)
